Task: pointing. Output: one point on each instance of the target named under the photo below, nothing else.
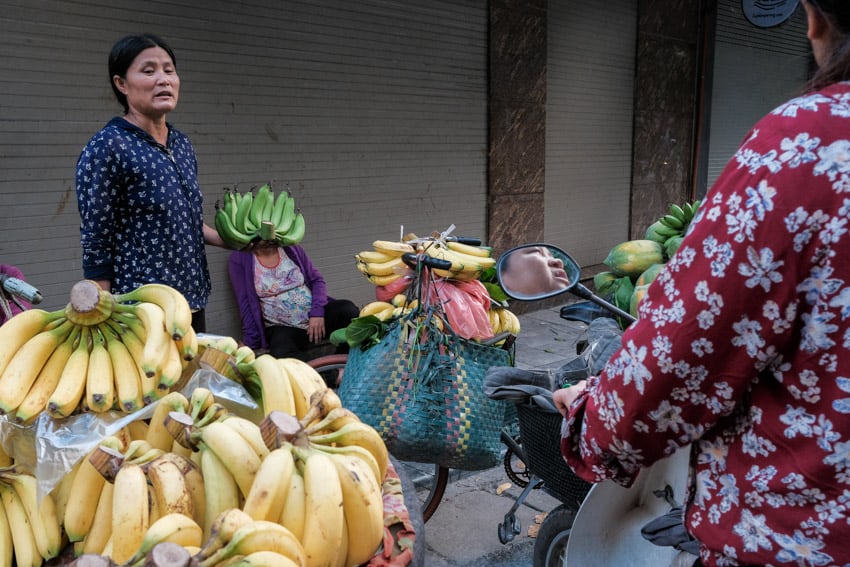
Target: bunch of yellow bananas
(100, 352)
(383, 264)
(503, 320)
(386, 311)
(222, 487)
(30, 530)
(244, 217)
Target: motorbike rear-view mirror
(531, 272)
(536, 271)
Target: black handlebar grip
(467, 240)
(412, 259)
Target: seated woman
(283, 300)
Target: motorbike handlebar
(19, 288)
(412, 260)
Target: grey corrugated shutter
(589, 112)
(755, 70)
(374, 112)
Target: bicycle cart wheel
(330, 368)
(430, 482)
(550, 545)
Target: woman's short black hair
(125, 51)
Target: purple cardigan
(241, 269)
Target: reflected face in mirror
(533, 271)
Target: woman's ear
(818, 26)
(119, 82)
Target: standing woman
(742, 349)
(137, 185)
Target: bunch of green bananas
(671, 227)
(243, 218)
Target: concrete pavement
(464, 531)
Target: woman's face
(151, 84)
(533, 271)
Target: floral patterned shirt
(742, 350)
(141, 211)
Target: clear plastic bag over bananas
(101, 352)
(309, 490)
(242, 218)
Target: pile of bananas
(383, 264)
(101, 352)
(243, 218)
(222, 487)
(30, 530)
(503, 320)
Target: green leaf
(365, 331)
(495, 292)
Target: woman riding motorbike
(741, 346)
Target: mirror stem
(584, 293)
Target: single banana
(101, 527)
(221, 492)
(136, 346)
(361, 434)
(332, 420)
(287, 216)
(221, 531)
(130, 511)
(392, 266)
(84, 492)
(479, 251)
(295, 234)
(62, 491)
(355, 451)
(258, 206)
(324, 519)
(157, 339)
(27, 362)
(323, 403)
(23, 538)
(383, 280)
(250, 433)
(278, 205)
(267, 495)
(6, 543)
(274, 385)
(265, 559)
(158, 435)
(69, 391)
(170, 490)
(100, 382)
(237, 455)
(260, 535)
(20, 329)
(35, 401)
(678, 213)
(244, 354)
(233, 237)
(369, 256)
(392, 248)
(194, 481)
(374, 308)
(125, 372)
(295, 505)
(172, 368)
(363, 507)
(178, 314)
(243, 214)
(45, 525)
(305, 382)
(174, 528)
(188, 345)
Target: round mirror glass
(536, 271)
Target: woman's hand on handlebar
(566, 396)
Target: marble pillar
(517, 121)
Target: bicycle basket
(540, 436)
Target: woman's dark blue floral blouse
(141, 211)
